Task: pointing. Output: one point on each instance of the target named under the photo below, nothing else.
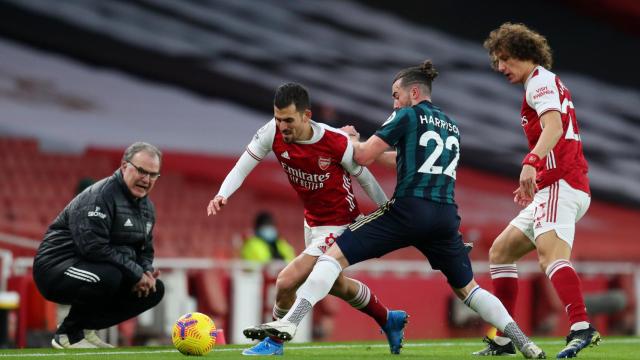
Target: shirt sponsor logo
(324, 162)
(96, 213)
(540, 92)
(305, 179)
(524, 121)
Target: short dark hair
(292, 93)
(263, 218)
(139, 146)
(520, 42)
(420, 74)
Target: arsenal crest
(324, 162)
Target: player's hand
(520, 199)
(528, 186)
(352, 132)
(216, 204)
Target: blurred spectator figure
(266, 245)
(97, 255)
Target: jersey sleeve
(262, 141)
(347, 161)
(258, 148)
(363, 176)
(542, 94)
(236, 176)
(393, 129)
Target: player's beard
(287, 138)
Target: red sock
(376, 310)
(373, 307)
(505, 286)
(567, 285)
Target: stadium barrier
(400, 284)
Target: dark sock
(275, 339)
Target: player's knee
(285, 283)
(544, 261)
(107, 287)
(497, 253)
(158, 294)
(340, 288)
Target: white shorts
(318, 239)
(557, 207)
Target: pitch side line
(293, 347)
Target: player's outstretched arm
(216, 204)
(362, 175)
(387, 159)
(365, 153)
(232, 182)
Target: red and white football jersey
(318, 169)
(544, 92)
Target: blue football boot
(264, 348)
(578, 340)
(394, 329)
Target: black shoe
(493, 349)
(578, 340)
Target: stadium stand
(203, 44)
(188, 182)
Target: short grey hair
(139, 146)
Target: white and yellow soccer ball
(194, 334)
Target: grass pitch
(611, 348)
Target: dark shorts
(428, 226)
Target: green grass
(610, 349)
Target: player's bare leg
(353, 291)
(553, 255)
(511, 245)
(290, 278)
(288, 281)
(318, 284)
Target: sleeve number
(428, 166)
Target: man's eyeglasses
(142, 172)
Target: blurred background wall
(82, 79)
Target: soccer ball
(194, 334)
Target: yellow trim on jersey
(374, 215)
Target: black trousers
(98, 295)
